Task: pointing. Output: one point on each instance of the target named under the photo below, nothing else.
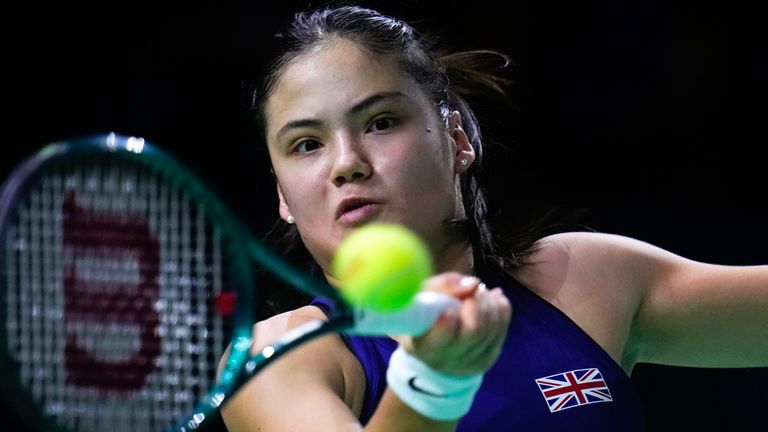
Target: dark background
(649, 114)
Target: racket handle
(414, 320)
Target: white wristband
(431, 394)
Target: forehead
(335, 75)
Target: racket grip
(414, 320)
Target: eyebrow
(354, 110)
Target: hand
(468, 339)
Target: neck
(455, 256)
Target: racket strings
(110, 275)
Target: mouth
(352, 210)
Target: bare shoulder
(598, 280)
(589, 257)
(322, 371)
(326, 355)
(595, 242)
(269, 330)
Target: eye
(306, 146)
(382, 124)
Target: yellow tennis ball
(381, 266)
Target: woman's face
(354, 140)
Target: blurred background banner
(649, 114)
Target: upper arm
(307, 389)
(698, 314)
(645, 304)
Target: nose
(350, 161)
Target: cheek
(424, 175)
(427, 166)
(300, 189)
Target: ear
(464, 153)
(283, 209)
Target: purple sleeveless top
(550, 376)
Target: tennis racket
(123, 279)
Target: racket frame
(233, 232)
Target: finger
(503, 317)
(468, 285)
(469, 312)
(503, 305)
(481, 288)
(442, 334)
(496, 312)
(484, 314)
(488, 306)
(489, 317)
(452, 283)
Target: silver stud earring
(463, 162)
(290, 219)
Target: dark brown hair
(450, 79)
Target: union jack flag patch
(574, 388)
